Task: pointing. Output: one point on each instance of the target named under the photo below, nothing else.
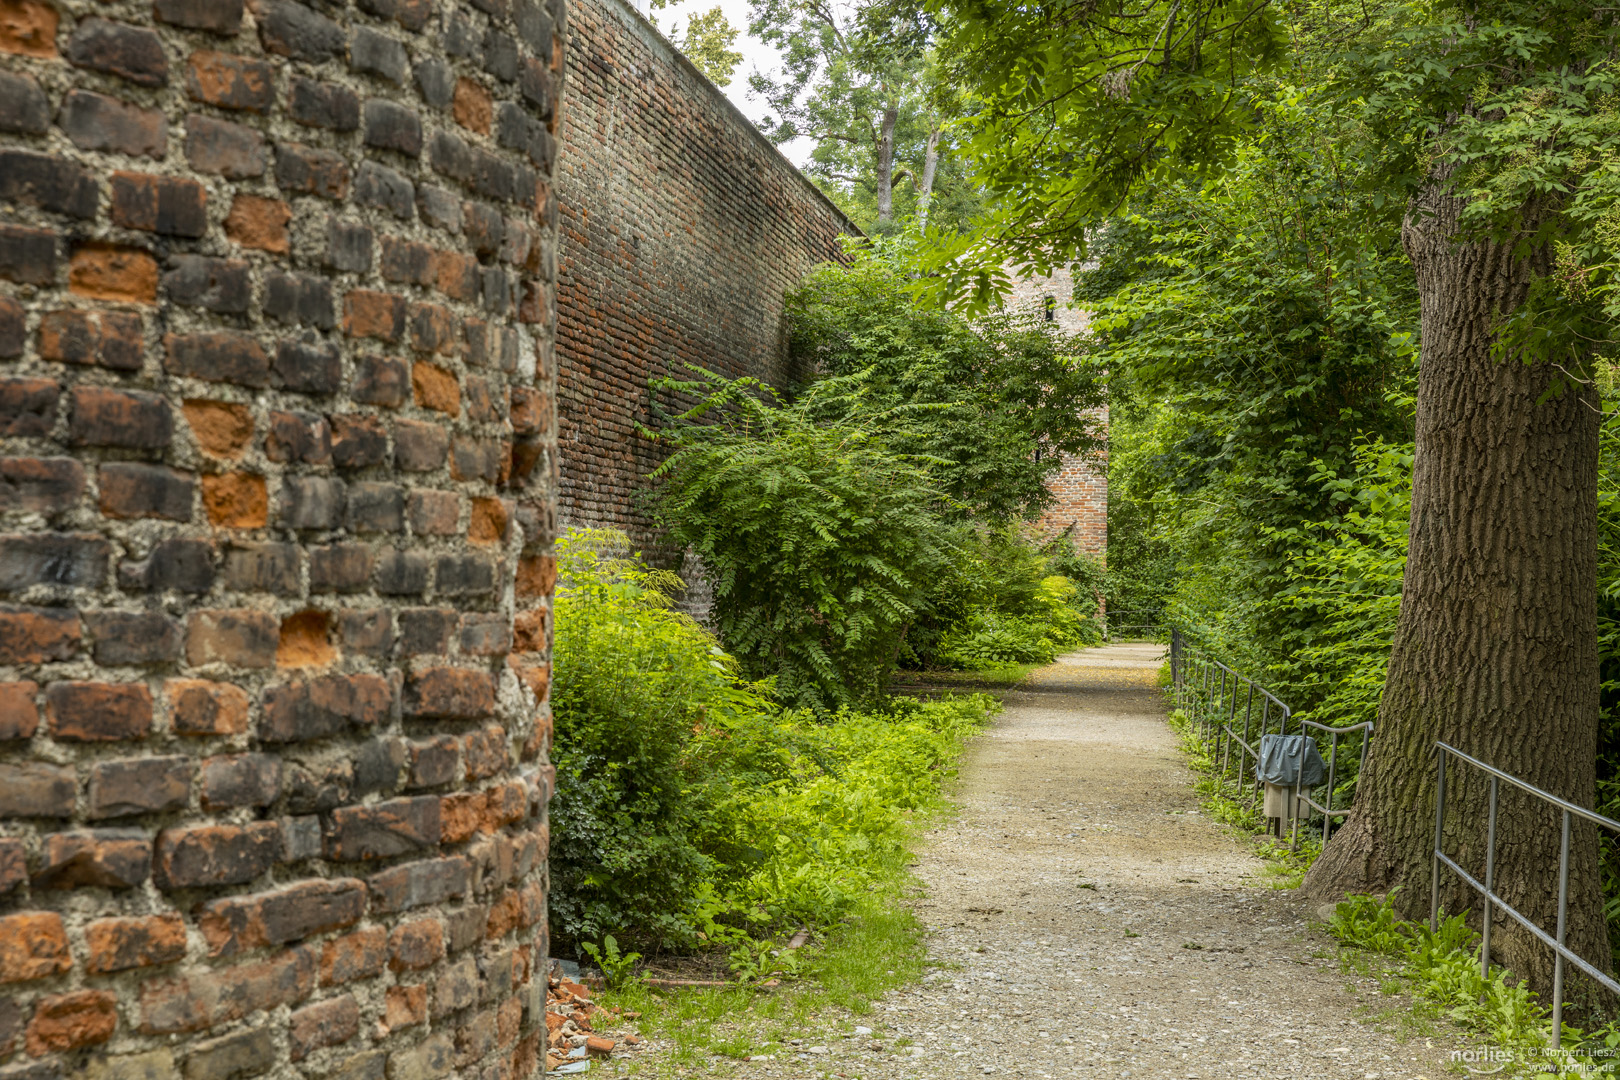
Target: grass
(999, 676)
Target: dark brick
(415, 945)
(404, 260)
(216, 284)
(485, 752)
(307, 369)
(28, 406)
(434, 329)
(216, 16)
(298, 436)
(383, 830)
(170, 205)
(50, 183)
(96, 122)
(204, 999)
(310, 792)
(378, 380)
(323, 105)
(302, 170)
(358, 441)
(34, 789)
(461, 36)
(435, 761)
(268, 567)
(180, 565)
(326, 1023)
(240, 780)
(24, 108)
(202, 855)
(348, 246)
(419, 884)
(112, 339)
(201, 707)
(292, 30)
(376, 508)
(411, 14)
(130, 52)
(377, 54)
(497, 288)
(419, 447)
(391, 126)
(439, 207)
(367, 633)
(382, 187)
(218, 356)
(455, 987)
(463, 575)
(500, 55)
(450, 693)
(230, 81)
(129, 490)
(486, 228)
(318, 708)
(436, 82)
(218, 146)
(435, 513)
(312, 502)
(13, 332)
(475, 459)
(233, 1057)
(64, 559)
(242, 638)
(13, 872)
(124, 418)
(237, 923)
(97, 711)
(379, 765)
(139, 786)
(299, 299)
(339, 568)
(485, 635)
(133, 637)
(402, 573)
(104, 858)
(27, 256)
(426, 631)
(40, 485)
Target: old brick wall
(1081, 487)
(682, 227)
(277, 483)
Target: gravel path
(1085, 920)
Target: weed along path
(1084, 918)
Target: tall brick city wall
(682, 227)
(277, 482)
(1081, 487)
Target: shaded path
(1179, 961)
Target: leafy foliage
(708, 44)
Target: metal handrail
(1486, 889)
(1238, 683)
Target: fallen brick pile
(570, 1037)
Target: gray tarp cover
(1280, 760)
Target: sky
(756, 55)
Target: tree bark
(885, 176)
(925, 190)
(1495, 652)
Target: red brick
(360, 955)
(37, 635)
(326, 1023)
(69, 1021)
(28, 27)
(367, 313)
(415, 945)
(484, 752)
(473, 107)
(221, 428)
(121, 944)
(435, 388)
(487, 524)
(258, 222)
(98, 712)
(218, 997)
(33, 944)
(231, 81)
(199, 855)
(236, 500)
(461, 816)
(455, 274)
(405, 1006)
(199, 707)
(107, 858)
(536, 576)
(108, 272)
(239, 923)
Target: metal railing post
(1439, 821)
(1490, 883)
(1333, 765)
(1563, 920)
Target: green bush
(1051, 626)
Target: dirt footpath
(1087, 921)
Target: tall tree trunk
(925, 190)
(885, 170)
(1496, 649)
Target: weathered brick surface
(275, 387)
(736, 226)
